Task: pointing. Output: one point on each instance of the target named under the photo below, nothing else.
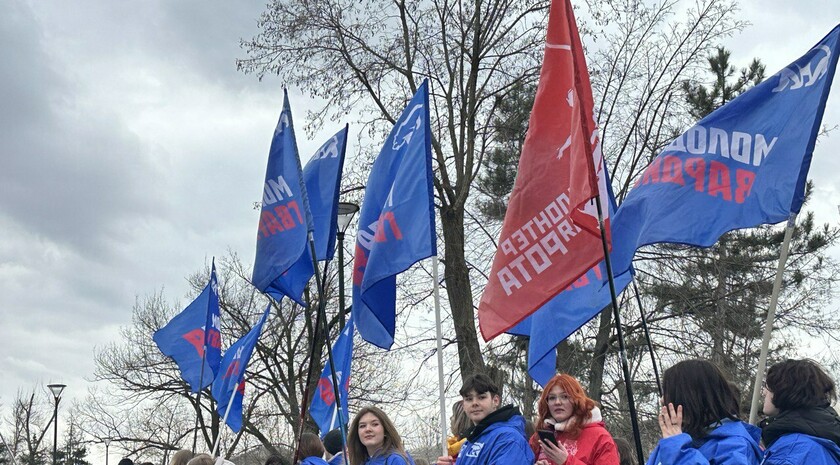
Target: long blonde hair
(357, 452)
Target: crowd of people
(699, 421)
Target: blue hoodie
(313, 461)
(732, 443)
(798, 448)
(501, 442)
(390, 459)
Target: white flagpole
(439, 355)
(224, 421)
(771, 316)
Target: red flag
(550, 235)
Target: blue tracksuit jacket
(732, 443)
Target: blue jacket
(313, 461)
(733, 443)
(501, 443)
(338, 459)
(798, 448)
(390, 459)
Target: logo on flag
(324, 410)
(396, 223)
(743, 165)
(285, 221)
(186, 336)
(231, 378)
(550, 235)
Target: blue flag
(231, 377)
(282, 236)
(396, 223)
(196, 328)
(324, 410)
(741, 166)
(322, 177)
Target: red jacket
(594, 446)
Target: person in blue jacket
(699, 420)
(311, 450)
(498, 435)
(373, 440)
(802, 428)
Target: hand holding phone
(548, 436)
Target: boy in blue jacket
(802, 427)
(498, 435)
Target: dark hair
(582, 405)
(480, 383)
(126, 461)
(357, 452)
(333, 442)
(311, 446)
(626, 452)
(703, 391)
(799, 384)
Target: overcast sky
(131, 151)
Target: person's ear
(497, 400)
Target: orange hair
(582, 404)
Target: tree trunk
(457, 277)
(599, 356)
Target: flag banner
(285, 219)
(550, 234)
(572, 308)
(324, 410)
(231, 378)
(322, 177)
(743, 165)
(185, 337)
(396, 222)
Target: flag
(231, 377)
(324, 410)
(743, 165)
(550, 234)
(568, 311)
(186, 336)
(396, 222)
(322, 178)
(282, 235)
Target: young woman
(802, 428)
(459, 425)
(373, 440)
(575, 421)
(699, 419)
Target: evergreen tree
(720, 295)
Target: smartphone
(546, 435)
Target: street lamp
(107, 442)
(346, 212)
(56, 390)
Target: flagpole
(771, 316)
(647, 337)
(322, 317)
(631, 402)
(198, 396)
(439, 355)
(224, 421)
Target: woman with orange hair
(575, 421)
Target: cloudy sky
(131, 151)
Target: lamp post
(56, 390)
(346, 212)
(107, 442)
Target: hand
(445, 460)
(558, 454)
(670, 420)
